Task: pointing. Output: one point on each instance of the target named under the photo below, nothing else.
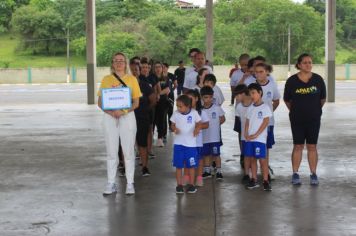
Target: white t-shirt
(236, 77)
(212, 134)
(241, 111)
(270, 93)
(218, 98)
(204, 119)
(249, 80)
(186, 125)
(190, 79)
(255, 115)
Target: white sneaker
(130, 189)
(110, 189)
(159, 143)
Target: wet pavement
(53, 172)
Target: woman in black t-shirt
(162, 104)
(304, 95)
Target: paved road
(77, 93)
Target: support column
(209, 30)
(91, 51)
(330, 47)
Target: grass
(10, 58)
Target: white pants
(123, 129)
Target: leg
(253, 167)
(264, 167)
(247, 165)
(144, 155)
(297, 156)
(200, 167)
(179, 176)
(127, 125)
(191, 175)
(218, 161)
(112, 146)
(150, 138)
(312, 157)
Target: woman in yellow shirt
(120, 125)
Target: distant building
(186, 5)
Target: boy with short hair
(244, 102)
(257, 120)
(212, 135)
(210, 80)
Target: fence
(78, 75)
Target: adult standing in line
(173, 85)
(191, 74)
(151, 79)
(305, 95)
(162, 104)
(179, 73)
(120, 124)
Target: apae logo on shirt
(189, 119)
(259, 115)
(269, 94)
(213, 115)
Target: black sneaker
(179, 189)
(191, 188)
(242, 164)
(120, 166)
(145, 172)
(151, 155)
(252, 184)
(245, 180)
(267, 186)
(219, 176)
(206, 175)
(122, 172)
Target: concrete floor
(52, 174)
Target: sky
(202, 2)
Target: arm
(174, 128)
(275, 104)
(197, 129)
(222, 119)
(152, 100)
(247, 124)
(260, 130)
(322, 102)
(204, 125)
(288, 104)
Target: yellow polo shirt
(110, 81)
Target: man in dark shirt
(179, 74)
(150, 79)
(143, 122)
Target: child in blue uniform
(185, 125)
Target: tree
(40, 30)
(7, 8)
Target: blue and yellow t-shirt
(110, 81)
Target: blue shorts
(270, 137)
(184, 157)
(243, 144)
(199, 151)
(255, 149)
(211, 149)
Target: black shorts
(237, 125)
(143, 126)
(306, 132)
